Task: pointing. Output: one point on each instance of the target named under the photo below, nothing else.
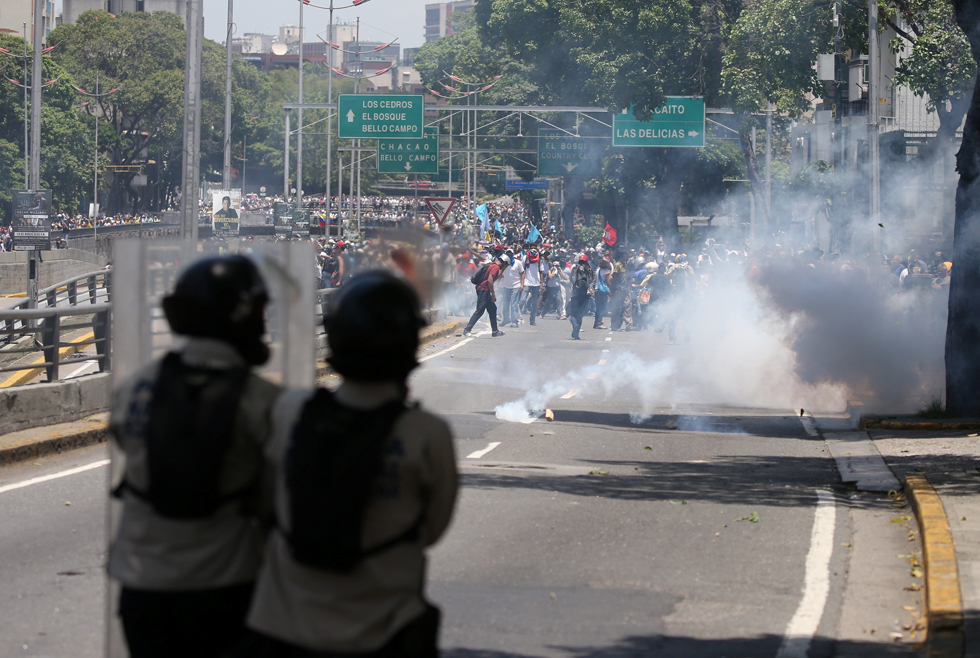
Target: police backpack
(333, 459)
(188, 430)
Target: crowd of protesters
(524, 270)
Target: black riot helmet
(222, 298)
(372, 327)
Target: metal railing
(90, 288)
(48, 325)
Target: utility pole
(299, 113)
(357, 90)
(326, 199)
(769, 227)
(285, 162)
(874, 73)
(95, 169)
(35, 168)
(226, 170)
(36, 81)
(27, 139)
(190, 179)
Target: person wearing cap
(486, 297)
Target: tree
(963, 328)
(65, 136)
(939, 65)
(620, 54)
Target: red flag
(609, 237)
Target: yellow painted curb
(944, 603)
(24, 376)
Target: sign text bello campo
(410, 155)
(366, 116)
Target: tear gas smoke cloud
(790, 337)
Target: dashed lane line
(480, 453)
(572, 393)
(602, 362)
(592, 375)
(609, 339)
(54, 476)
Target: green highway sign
(561, 154)
(679, 123)
(371, 116)
(410, 156)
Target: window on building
(432, 17)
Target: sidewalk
(939, 469)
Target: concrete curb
(26, 444)
(911, 423)
(943, 600)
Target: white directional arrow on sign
(350, 116)
(570, 167)
(408, 166)
(693, 133)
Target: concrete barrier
(38, 405)
(57, 265)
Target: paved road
(604, 533)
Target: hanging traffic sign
(440, 207)
(678, 123)
(370, 116)
(562, 154)
(410, 156)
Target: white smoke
(791, 337)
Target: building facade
(439, 18)
(14, 14)
(72, 9)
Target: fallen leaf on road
(598, 472)
(908, 607)
(846, 544)
(553, 597)
(751, 518)
(916, 572)
(974, 434)
(647, 448)
(914, 587)
(900, 519)
(68, 503)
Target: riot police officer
(192, 427)
(364, 483)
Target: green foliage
(940, 64)
(65, 137)
(772, 48)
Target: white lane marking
(54, 476)
(811, 429)
(79, 371)
(816, 583)
(602, 362)
(480, 453)
(609, 339)
(572, 393)
(592, 375)
(605, 351)
(450, 349)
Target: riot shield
(144, 273)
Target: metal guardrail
(47, 323)
(70, 292)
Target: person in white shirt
(534, 269)
(510, 293)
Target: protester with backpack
(580, 282)
(192, 427)
(486, 297)
(364, 483)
